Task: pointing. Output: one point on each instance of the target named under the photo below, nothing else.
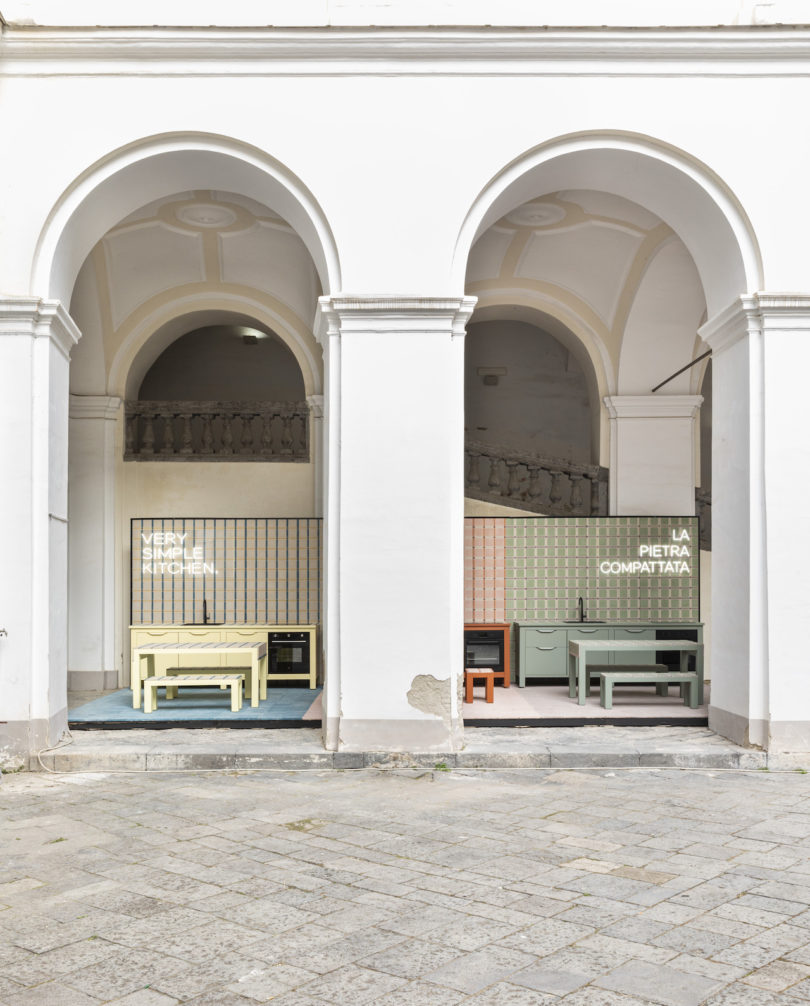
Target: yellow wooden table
(143, 635)
(143, 659)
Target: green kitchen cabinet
(543, 646)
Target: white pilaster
(652, 454)
(394, 521)
(36, 337)
(92, 661)
(315, 403)
(760, 537)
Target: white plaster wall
(216, 489)
(402, 190)
(659, 337)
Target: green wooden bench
(648, 675)
(171, 682)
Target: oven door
(288, 653)
(483, 649)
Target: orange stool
(470, 673)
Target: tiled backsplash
(618, 565)
(248, 570)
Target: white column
(36, 337)
(652, 454)
(92, 659)
(394, 521)
(760, 534)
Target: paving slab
(405, 887)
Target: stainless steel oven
(484, 648)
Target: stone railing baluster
(286, 435)
(187, 446)
(576, 491)
(168, 433)
(246, 446)
(474, 470)
(513, 484)
(556, 486)
(267, 434)
(494, 482)
(227, 434)
(148, 438)
(207, 435)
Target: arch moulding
(158, 328)
(158, 166)
(681, 190)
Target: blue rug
(197, 707)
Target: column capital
(38, 319)
(94, 406)
(315, 403)
(653, 406)
(343, 313)
(752, 313)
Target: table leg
(254, 680)
(135, 679)
(149, 697)
(468, 687)
(263, 677)
(572, 676)
(699, 668)
(490, 684)
(583, 680)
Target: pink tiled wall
(485, 569)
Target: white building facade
(364, 181)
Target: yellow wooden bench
(205, 680)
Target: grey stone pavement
(406, 887)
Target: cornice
(743, 50)
(756, 313)
(30, 316)
(440, 315)
(653, 406)
(94, 407)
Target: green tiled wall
(551, 561)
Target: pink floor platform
(550, 704)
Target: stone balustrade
(499, 474)
(216, 431)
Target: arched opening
(629, 245)
(196, 308)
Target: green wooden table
(579, 650)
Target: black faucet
(580, 606)
(205, 611)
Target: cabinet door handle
(635, 630)
(545, 647)
(545, 630)
(587, 630)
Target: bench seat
(595, 669)
(639, 674)
(171, 682)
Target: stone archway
(108, 192)
(712, 237)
